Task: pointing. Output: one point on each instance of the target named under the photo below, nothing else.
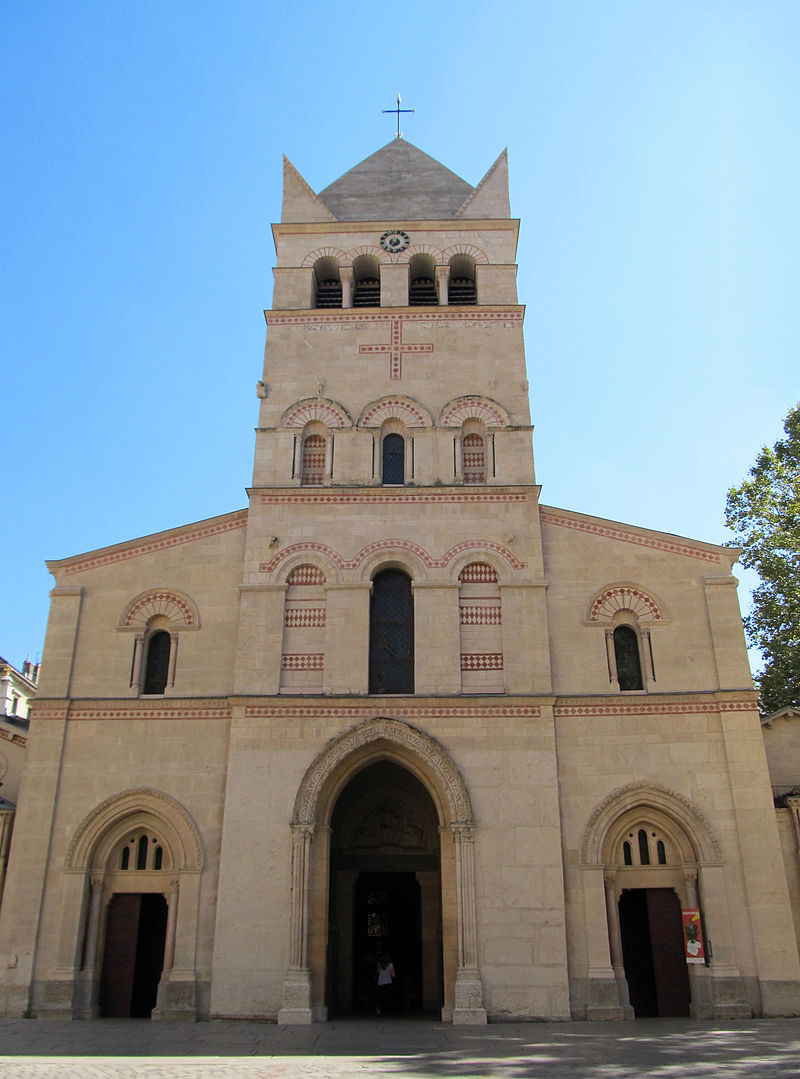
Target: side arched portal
(133, 867)
(408, 748)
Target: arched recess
(645, 853)
(355, 749)
(316, 410)
(96, 873)
(473, 406)
(157, 617)
(396, 407)
(627, 612)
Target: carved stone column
(615, 941)
(346, 277)
(469, 1009)
(442, 281)
(297, 981)
(88, 988)
(172, 921)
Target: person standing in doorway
(384, 987)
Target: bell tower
(394, 432)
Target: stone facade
(563, 729)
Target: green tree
(764, 512)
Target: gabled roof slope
(398, 182)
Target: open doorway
(133, 956)
(653, 952)
(385, 894)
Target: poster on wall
(693, 936)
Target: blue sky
(654, 164)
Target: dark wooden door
(652, 952)
(133, 956)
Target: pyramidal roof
(397, 183)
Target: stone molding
(389, 546)
(649, 795)
(473, 406)
(121, 811)
(316, 409)
(623, 596)
(176, 606)
(618, 532)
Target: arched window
(626, 654)
(422, 281)
(643, 845)
(461, 289)
(391, 633)
(327, 283)
(393, 459)
(312, 471)
(366, 281)
(473, 451)
(156, 666)
(142, 851)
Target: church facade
(397, 706)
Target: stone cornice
(363, 316)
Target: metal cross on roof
(398, 110)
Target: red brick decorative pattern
(624, 598)
(150, 546)
(306, 575)
(395, 349)
(642, 707)
(307, 547)
(335, 253)
(368, 710)
(550, 517)
(319, 411)
(394, 408)
(313, 471)
(481, 616)
(308, 661)
(380, 496)
(474, 459)
(481, 661)
(145, 710)
(347, 315)
(478, 573)
(169, 604)
(12, 736)
(473, 407)
(304, 617)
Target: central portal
(385, 894)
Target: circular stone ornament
(395, 240)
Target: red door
(133, 956)
(652, 951)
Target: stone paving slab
(655, 1049)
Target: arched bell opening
(462, 289)
(327, 283)
(422, 281)
(385, 895)
(366, 282)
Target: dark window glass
(626, 651)
(156, 669)
(626, 853)
(662, 852)
(394, 459)
(644, 849)
(125, 860)
(158, 858)
(391, 634)
(141, 853)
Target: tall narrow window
(626, 653)
(391, 634)
(313, 464)
(156, 671)
(393, 460)
(473, 448)
(462, 280)
(421, 282)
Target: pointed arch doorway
(385, 894)
(322, 971)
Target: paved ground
(660, 1049)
